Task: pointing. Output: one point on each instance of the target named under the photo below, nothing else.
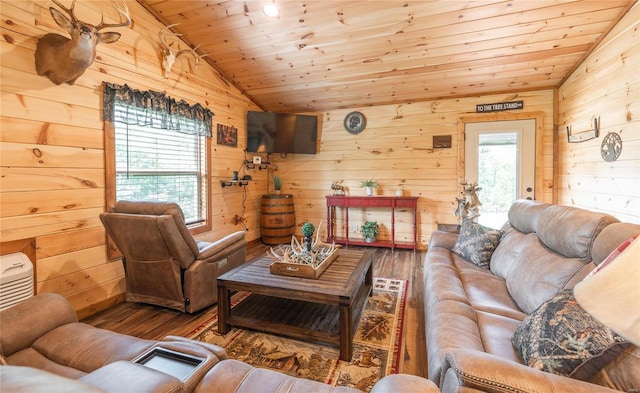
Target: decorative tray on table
(300, 260)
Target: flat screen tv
(269, 132)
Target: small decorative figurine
(468, 206)
(337, 188)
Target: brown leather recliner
(164, 264)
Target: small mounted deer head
(169, 55)
(64, 60)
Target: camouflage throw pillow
(560, 337)
(476, 243)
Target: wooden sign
(442, 141)
(499, 106)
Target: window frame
(110, 185)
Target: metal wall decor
(611, 147)
(585, 135)
(354, 123)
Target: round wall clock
(354, 123)
(611, 147)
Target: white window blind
(162, 165)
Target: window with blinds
(162, 165)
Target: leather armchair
(164, 264)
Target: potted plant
(307, 232)
(369, 185)
(370, 231)
(277, 184)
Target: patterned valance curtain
(154, 109)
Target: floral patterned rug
(376, 353)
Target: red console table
(389, 202)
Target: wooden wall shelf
(388, 202)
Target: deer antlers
(63, 59)
(123, 12)
(169, 55)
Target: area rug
(376, 344)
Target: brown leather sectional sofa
(43, 348)
(471, 312)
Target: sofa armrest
(234, 376)
(124, 376)
(404, 383)
(488, 373)
(222, 247)
(443, 239)
(215, 349)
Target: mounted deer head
(169, 55)
(62, 59)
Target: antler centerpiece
(300, 260)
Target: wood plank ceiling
(330, 54)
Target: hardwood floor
(151, 322)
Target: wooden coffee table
(326, 309)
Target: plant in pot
(370, 231)
(277, 184)
(369, 185)
(307, 232)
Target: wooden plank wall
(605, 86)
(396, 149)
(52, 156)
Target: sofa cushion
(86, 348)
(534, 273)
(476, 243)
(524, 215)
(442, 280)
(562, 338)
(29, 357)
(18, 379)
(570, 231)
(449, 325)
(488, 293)
(25, 322)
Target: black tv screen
(269, 132)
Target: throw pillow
(476, 243)
(560, 337)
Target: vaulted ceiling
(329, 54)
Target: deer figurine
(169, 55)
(338, 189)
(64, 60)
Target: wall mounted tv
(269, 132)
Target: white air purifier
(16, 279)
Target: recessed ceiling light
(271, 10)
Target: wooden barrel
(277, 218)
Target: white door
(500, 156)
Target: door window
(500, 157)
